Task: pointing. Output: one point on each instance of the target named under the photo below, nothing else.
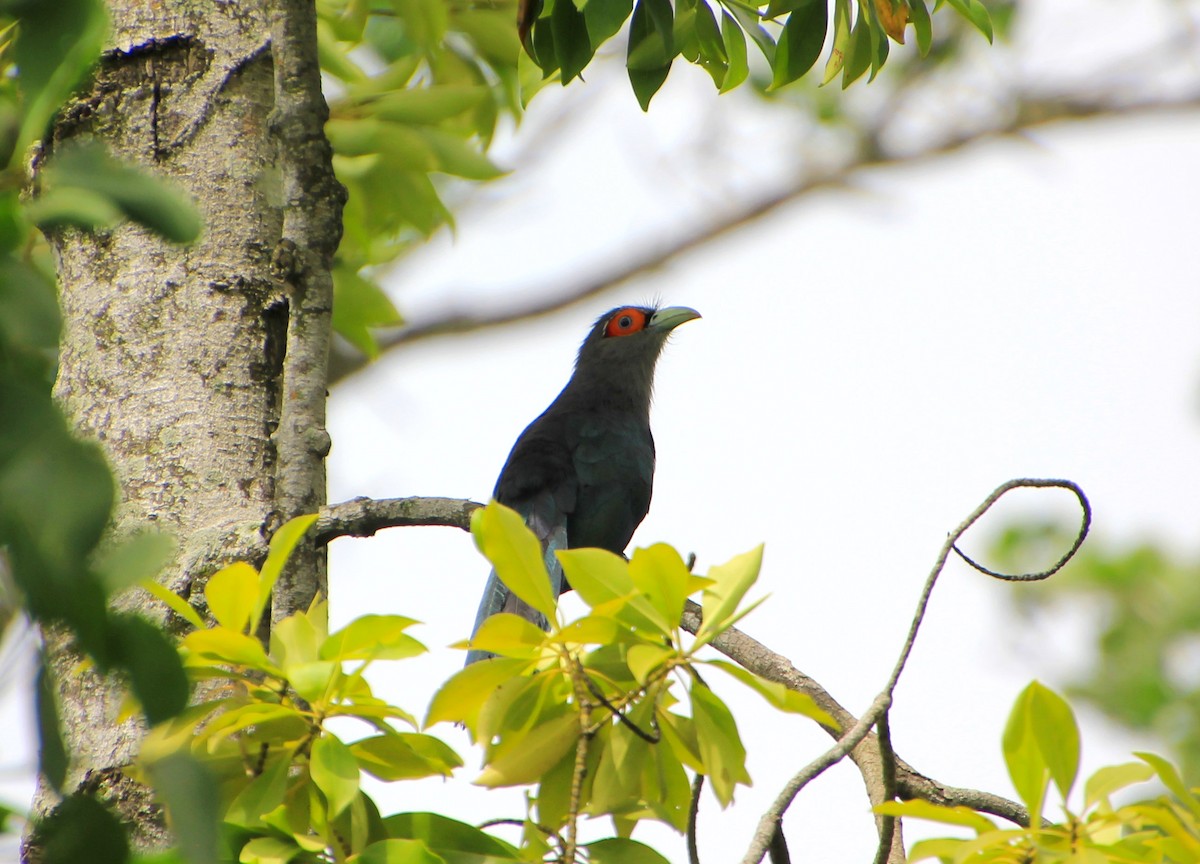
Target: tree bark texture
(173, 357)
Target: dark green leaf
(145, 199)
(156, 675)
(82, 829)
(399, 852)
(572, 47)
(751, 24)
(858, 54)
(735, 49)
(604, 18)
(190, 793)
(52, 753)
(29, 324)
(58, 42)
(140, 557)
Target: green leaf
(1170, 778)
(841, 41)
(462, 697)
(263, 794)
(509, 636)
(801, 41)
(644, 659)
(140, 557)
(596, 575)
(335, 771)
(730, 582)
(147, 200)
(73, 207)
(492, 33)
(735, 48)
(1113, 778)
(156, 675)
(372, 637)
(660, 574)
(622, 850)
(428, 105)
(1041, 741)
(713, 56)
(282, 544)
(455, 156)
(405, 756)
(269, 850)
(720, 746)
(190, 793)
(781, 697)
(295, 641)
(963, 817)
(532, 756)
(859, 53)
(398, 852)
(52, 753)
(56, 46)
(922, 25)
(359, 305)
(440, 833)
(503, 538)
(29, 325)
(750, 22)
(228, 646)
(230, 593)
(604, 18)
(82, 829)
(572, 47)
(176, 603)
(976, 13)
(651, 48)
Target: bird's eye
(625, 321)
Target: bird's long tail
(497, 597)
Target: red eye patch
(625, 321)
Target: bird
(582, 473)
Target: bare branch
(1027, 111)
(362, 517)
(771, 818)
(312, 227)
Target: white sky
(870, 365)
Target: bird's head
(624, 344)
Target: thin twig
(762, 835)
(693, 813)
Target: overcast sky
(870, 365)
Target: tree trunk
(174, 358)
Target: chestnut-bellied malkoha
(581, 474)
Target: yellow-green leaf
(1113, 778)
(278, 552)
(372, 637)
(461, 698)
(230, 593)
(312, 680)
(597, 575)
(961, 816)
(644, 659)
(503, 538)
(175, 603)
(660, 574)
(778, 695)
(534, 755)
(509, 636)
(731, 581)
(720, 745)
(294, 640)
(228, 646)
(405, 756)
(335, 771)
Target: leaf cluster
(790, 34)
(606, 714)
(1041, 750)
